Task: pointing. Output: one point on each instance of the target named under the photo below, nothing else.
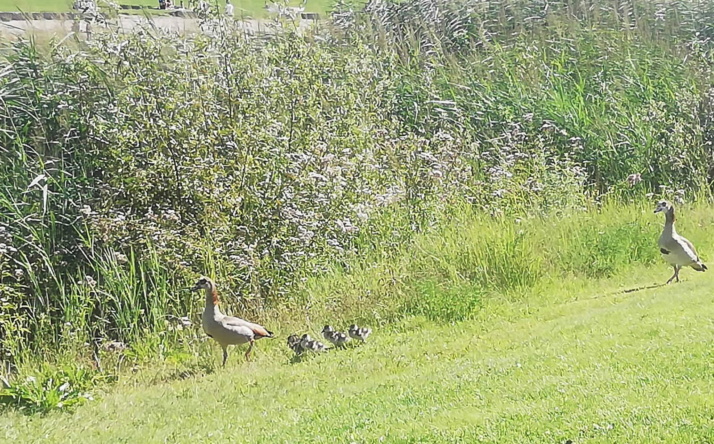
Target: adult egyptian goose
(227, 330)
(675, 249)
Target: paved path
(126, 22)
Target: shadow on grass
(308, 355)
(636, 289)
(629, 290)
(187, 373)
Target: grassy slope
(35, 5)
(586, 363)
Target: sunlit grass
(35, 6)
(584, 362)
(453, 285)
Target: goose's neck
(669, 221)
(212, 300)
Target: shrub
(50, 389)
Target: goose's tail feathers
(699, 266)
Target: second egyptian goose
(675, 249)
(227, 330)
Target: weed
(51, 388)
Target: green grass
(254, 8)
(588, 365)
(35, 6)
(570, 356)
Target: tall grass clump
(447, 275)
(133, 162)
(619, 88)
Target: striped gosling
(360, 333)
(675, 249)
(335, 337)
(295, 344)
(307, 343)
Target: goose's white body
(230, 330)
(679, 251)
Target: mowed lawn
(587, 363)
(249, 7)
(35, 5)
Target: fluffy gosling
(360, 333)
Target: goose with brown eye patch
(227, 330)
(676, 249)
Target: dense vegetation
(133, 163)
(581, 360)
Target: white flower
(121, 258)
(317, 176)
(634, 179)
(89, 281)
(5, 249)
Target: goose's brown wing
(261, 331)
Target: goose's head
(662, 205)
(203, 283)
(328, 329)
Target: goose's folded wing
(261, 331)
(681, 249)
(237, 323)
